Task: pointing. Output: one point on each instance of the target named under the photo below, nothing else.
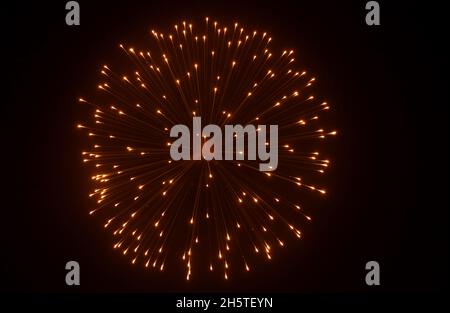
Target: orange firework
(212, 213)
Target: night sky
(387, 189)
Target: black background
(388, 186)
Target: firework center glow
(207, 143)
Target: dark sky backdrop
(388, 186)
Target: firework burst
(218, 214)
